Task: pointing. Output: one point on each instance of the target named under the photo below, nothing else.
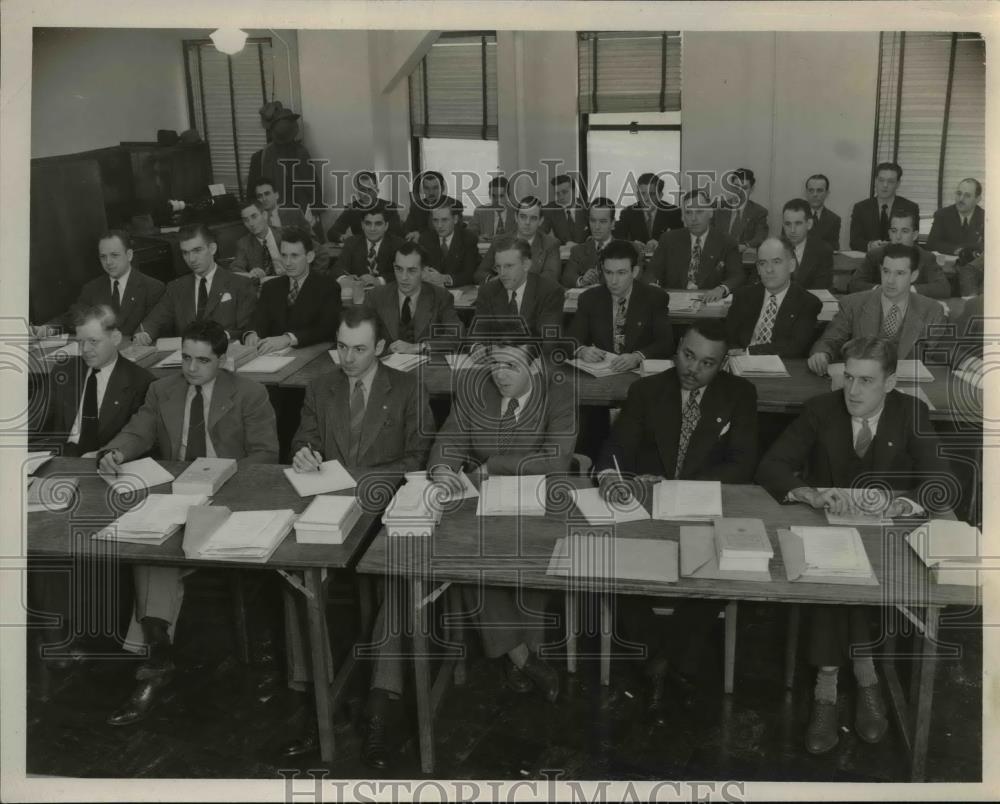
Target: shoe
(517, 680)
(667, 680)
(141, 700)
(306, 744)
(543, 675)
(870, 720)
(821, 733)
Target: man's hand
(273, 344)
(435, 277)
(626, 362)
(898, 508)
(713, 295)
(142, 338)
(877, 244)
(590, 277)
(448, 480)
(649, 246)
(413, 237)
(257, 273)
(111, 462)
(307, 460)
(369, 280)
(591, 354)
(818, 363)
(616, 490)
(831, 499)
(405, 348)
(251, 339)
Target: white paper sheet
(512, 495)
(688, 500)
(332, 476)
(608, 557)
(168, 344)
(173, 360)
(597, 511)
(758, 366)
(833, 549)
(266, 364)
(136, 475)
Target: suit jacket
(240, 421)
(970, 277)
(123, 396)
(582, 257)
(543, 438)
(816, 268)
(827, 228)
(350, 221)
(753, 229)
(969, 331)
(720, 261)
(947, 236)
(231, 303)
(817, 450)
(541, 308)
(794, 328)
(484, 222)
(723, 446)
(353, 258)
(544, 259)
(647, 321)
(860, 315)
(865, 225)
(554, 221)
(930, 282)
(394, 430)
(462, 258)
(250, 252)
(632, 223)
(420, 218)
(293, 216)
(141, 295)
(313, 317)
(435, 311)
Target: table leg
(607, 627)
(730, 649)
(571, 627)
(456, 633)
(316, 616)
(792, 644)
(365, 616)
(421, 669)
(925, 697)
(237, 595)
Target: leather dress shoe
(870, 721)
(544, 676)
(308, 743)
(517, 680)
(821, 733)
(374, 749)
(141, 700)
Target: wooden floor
(225, 719)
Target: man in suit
(366, 262)
(520, 301)
(452, 253)
(414, 313)
(544, 247)
(691, 422)
(826, 222)
(199, 412)
(868, 433)
(275, 212)
(130, 294)
(813, 256)
(929, 281)
(566, 215)
(349, 222)
(432, 192)
(645, 221)
(960, 225)
(889, 310)
(497, 218)
(207, 293)
(744, 221)
(776, 316)
(258, 252)
(696, 256)
(870, 218)
(583, 268)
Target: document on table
(913, 371)
(457, 362)
(136, 352)
(512, 495)
(758, 366)
(173, 360)
(601, 368)
(597, 511)
(403, 362)
(136, 475)
(168, 344)
(653, 366)
(153, 521)
(266, 364)
(856, 255)
(693, 500)
(823, 295)
(610, 558)
(332, 476)
(468, 491)
(833, 551)
(866, 507)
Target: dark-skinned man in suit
(826, 222)
(813, 256)
(870, 218)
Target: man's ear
(116, 336)
(379, 347)
(810, 223)
(890, 382)
(310, 256)
(212, 248)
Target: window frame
(584, 127)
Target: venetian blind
(629, 71)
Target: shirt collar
(780, 294)
(522, 402)
(700, 238)
(413, 296)
(879, 203)
(366, 379)
(887, 305)
(627, 296)
(209, 276)
(206, 389)
(105, 371)
(121, 280)
(872, 418)
(301, 280)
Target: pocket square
(225, 297)
(725, 429)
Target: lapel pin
(718, 419)
(890, 443)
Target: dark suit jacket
(231, 303)
(483, 222)
(631, 223)
(123, 396)
(827, 228)
(543, 438)
(647, 321)
(394, 431)
(930, 282)
(541, 307)
(250, 252)
(865, 225)
(141, 295)
(240, 421)
(544, 259)
(435, 312)
(753, 229)
(313, 317)
(554, 221)
(350, 221)
(720, 261)
(461, 260)
(817, 450)
(947, 236)
(969, 331)
(794, 328)
(582, 257)
(646, 433)
(353, 258)
(420, 218)
(816, 268)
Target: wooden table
(54, 536)
(512, 551)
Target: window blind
(225, 94)
(453, 91)
(629, 71)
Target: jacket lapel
(706, 432)
(871, 314)
(113, 394)
(633, 319)
(222, 398)
(424, 312)
(390, 312)
(376, 412)
(173, 414)
(528, 298)
(709, 255)
(887, 440)
(911, 329)
(220, 285)
(340, 412)
(668, 427)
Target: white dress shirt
(206, 399)
(800, 249)
(102, 385)
(208, 283)
(122, 282)
(522, 402)
(902, 305)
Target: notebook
(266, 364)
(610, 558)
(512, 495)
(913, 371)
(204, 476)
(825, 555)
(332, 476)
(134, 476)
(951, 550)
(688, 500)
(741, 544)
(215, 533)
(597, 511)
(329, 519)
(757, 366)
(153, 521)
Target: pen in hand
(317, 456)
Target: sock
(864, 671)
(826, 685)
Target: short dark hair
(378, 208)
(745, 174)
(873, 347)
(250, 202)
(512, 243)
(527, 202)
(798, 205)
(121, 234)
(603, 203)
(193, 230)
(456, 206)
(621, 250)
(261, 181)
(896, 251)
(433, 174)
(651, 178)
(979, 186)
(80, 314)
(819, 176)
(297, 234)
(561, 178)
(408, 247)
(498, 181)
(696, 193)
(905, 212)
(353, 316)
(893, 166)
(710, 328)
(207, 331)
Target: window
(225, 94)
(931, 112)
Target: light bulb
(229, 40)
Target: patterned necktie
(196, 427)
(692, 282)
(512, 303)
(891, 324)
(293, 292)
(508, 423)
(762, 334)
(202, 298)
(89, 415)
(116, 297)
(864, 439)
(372, 259)
(621, 308)
(357, 417)
(883, 223)
(266, 262)
(650, 217)
(689, 420)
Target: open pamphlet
(757, 366)
(204, 476)
(152, 521)
(332, 476)
(691, 300)
(137, 475)
(328, 520)
(457, 362)
(825, 555)
(597, 511)
(512, 495)
(694, 500)
(218, 534)
(609, 558)
(952, 550)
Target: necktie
(357, 417)
(734, 224)
(293, 292)
(620, 311)
(883, 223)
(372, 259)
(406, 321)
(864, 439)
(508, 423)
(202, 298)
(689, 420)
(965, 225)
(444, 247)
(693, 266)
(116, 297)
(569, 216)
(762, 334)
(266, 262)
(498, 222)
(196, 427)
(512, 303)
(650, 216)
(891, 324)
(88, 416)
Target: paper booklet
(607, 558)
(687, 499)
(825, 555)
(153, 521)
(699, 558)
(134, 476)
(329, 519)
(332, 476)
(913, 371)
(266, 364)
(952, 550)
(742, 544)
(204, 476)
(757, 366)
(512, 495)
(218, 534)
(597, 511)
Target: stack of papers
(913, 371)
(173, 360)
(136, 352)
(215, 533)
(757, 366)
(137, 475)
(168, 344)
(741, 545)
(153, 521)
(699, 557)
(266, 364)
(606, 558)
(328, 520)
(50, 494)
(598, 512)
(687, 500)
(952, 551)
(600, 369)
(403, 362)
(831, 554)
(512, 495)
(332, 476)
(457, 362)
(204, 476)
(651, 367)
(414, 511)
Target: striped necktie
(762, 334)
(692, 282)
(508, 423)
(293, 292)
(689, 421)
